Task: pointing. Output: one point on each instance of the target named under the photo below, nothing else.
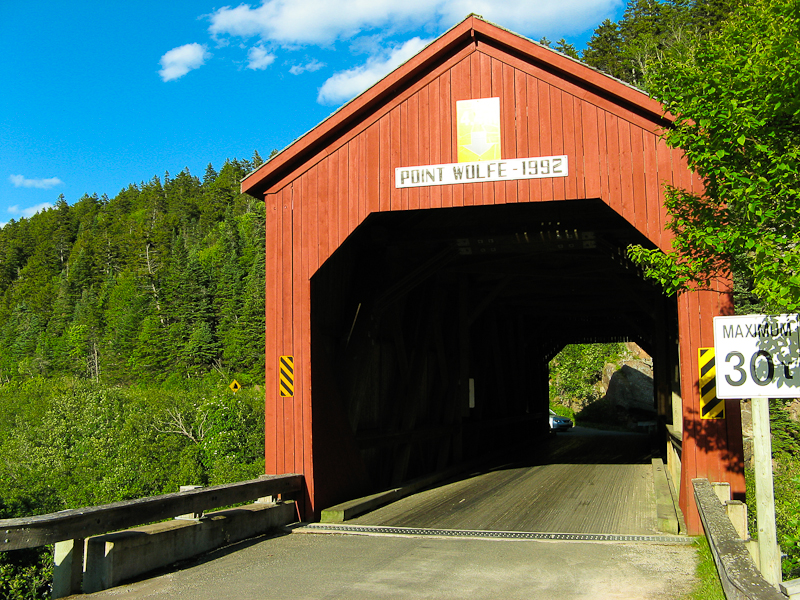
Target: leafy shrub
(578, 368)
(563, 411)
(86, 443)
(786, 483)
(788, 523)
(26, 574)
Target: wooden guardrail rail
(80, 523)
(740, 578)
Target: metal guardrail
(80, 523)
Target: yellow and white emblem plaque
(478, 129)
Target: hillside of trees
(122, 322)
(165, 279)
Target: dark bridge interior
(432, 329)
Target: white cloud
(288, 22)
(321, 22)
(346, 84)
(258, 58)
(179, 61)
(30, 211)
(43, 184)
(313, 65)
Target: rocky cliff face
(629, 391)
(626, 391)
(631, 386)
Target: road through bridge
(581, 482)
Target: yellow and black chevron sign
(711, 407)
(286, 367)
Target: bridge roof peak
(472, 35)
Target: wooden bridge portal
(421, 274)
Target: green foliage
(786, 483)
(578, 368)
(786, 456)
(649, 29)
(736, 98)
(89, 443)
(785, 431)
(69, 442)
(26, 574)
(122, 322)
(787, 510)
(166, 277)
(787, 515)
(562, 411)
(566, 48)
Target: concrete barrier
(740, 578)
(113, 558)
(353, 508)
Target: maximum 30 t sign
(757, 355)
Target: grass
(708, 586)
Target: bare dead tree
(177, 423)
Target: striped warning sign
(711, 407)
(286, 367)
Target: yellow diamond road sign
(235, 386)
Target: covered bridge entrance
(420, 276)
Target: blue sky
(97, 95)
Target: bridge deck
(596, 483)
(585, 482)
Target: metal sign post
(758, 356)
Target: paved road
(591, 477)
(357, 567)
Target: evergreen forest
(166, 279)
(123, 321)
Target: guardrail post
(723, 491)
(737, 513)
(67, 568)
(196, 516)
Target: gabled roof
(472, 31)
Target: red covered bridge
(417, 314)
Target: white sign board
(757, 356)
(538, 167)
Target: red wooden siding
(613, 155)
(611, 138)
